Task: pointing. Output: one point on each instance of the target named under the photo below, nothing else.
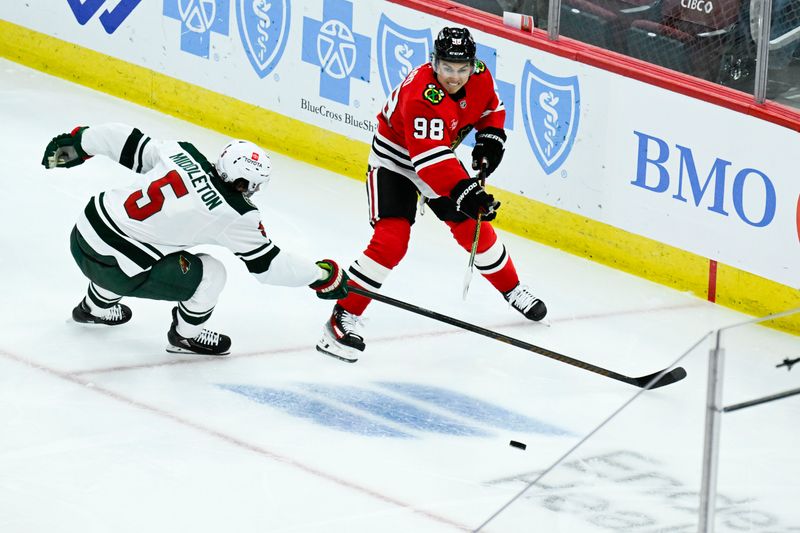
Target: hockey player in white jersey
(133, 241)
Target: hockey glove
(334, 286)
(471, 199)
(489, 147)
(65, 150)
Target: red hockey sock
(491, 258)
(386, 249)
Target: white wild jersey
(178, 202)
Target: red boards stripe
(712, 280)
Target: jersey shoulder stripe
(234, 199)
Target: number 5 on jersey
(156, 203)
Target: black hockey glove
(489, 146)
(471, 199)
(334, 286)
(65, 150)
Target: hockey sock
(386, 249)
(99, 300)
(491, 259)
(195, 311)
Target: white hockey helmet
(244, 160)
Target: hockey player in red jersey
(134, 240)
(419, 127)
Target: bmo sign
(723, 187)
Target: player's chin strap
(661, 378)
(476, 235)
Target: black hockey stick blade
(674, 375)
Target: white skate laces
(207, 337)
(113, 314)
(339, 337)
(522, 299)
(348, 322)
(207, 342)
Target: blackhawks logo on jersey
(462, 133)
(184, 264)
(480, 66)
(433, 94)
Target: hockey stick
(659, 379)
(471, 264)
(475, 237)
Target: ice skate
(339, 337)
(206, 343)
(113, 316)
(521, 299)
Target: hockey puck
(517, 444)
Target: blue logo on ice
(551, 111)
(400, 50)
(199, 18)
(393, 409)
(340, 53)
(264, 28)
(84, 10)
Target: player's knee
(464, 232)
(214, 275)
(389, 242)
(487, 239)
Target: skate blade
(337, 356)
(544, 322)
(325, 347)
(175, 349)
(90, 324)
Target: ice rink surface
(101, 430)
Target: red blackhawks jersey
(421, 125)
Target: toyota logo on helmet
(243, 160)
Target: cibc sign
(703, 6)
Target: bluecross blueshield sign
(551, 112)
(400, 50)
(340, 53)
(199, 19)
(264, 30)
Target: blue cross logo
(551, 111)
(506, 90)
(340, 53)
(198, 19)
